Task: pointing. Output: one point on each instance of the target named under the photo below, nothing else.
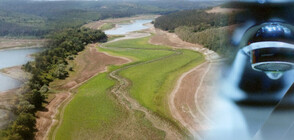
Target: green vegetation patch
(141, 43)
(138, 54)
(94, 113)
(152, 82)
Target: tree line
(216, 39)
(198, 19)
(48, 65)
(197, 26)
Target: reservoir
(123, 29)
(10, 58)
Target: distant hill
(37, 18)
(207, 27)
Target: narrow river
(10, 58)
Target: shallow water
(126, 28)
(10, 58)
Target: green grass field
(94, 112)
(136, 43)
(152, 82)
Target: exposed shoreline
(15, 72)
(8, 43)
(24, 47)
(116, 21)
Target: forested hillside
(214, 38)
(35, 18)
(198, 19)
(198, 26)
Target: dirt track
(89, 63)
(121, 91)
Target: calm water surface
(10, 58)
(126, 28)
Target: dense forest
(48, 65)
(197, 26)
(198, 19)
(35, 18)
(215, 39)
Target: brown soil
(16, 43)
(88, 63)
(121, 92)
(191, 99)
(171, 39)
(46, 118)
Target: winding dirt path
(121, 91)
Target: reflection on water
(123, 29)
(7, 83)
(10, 58)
